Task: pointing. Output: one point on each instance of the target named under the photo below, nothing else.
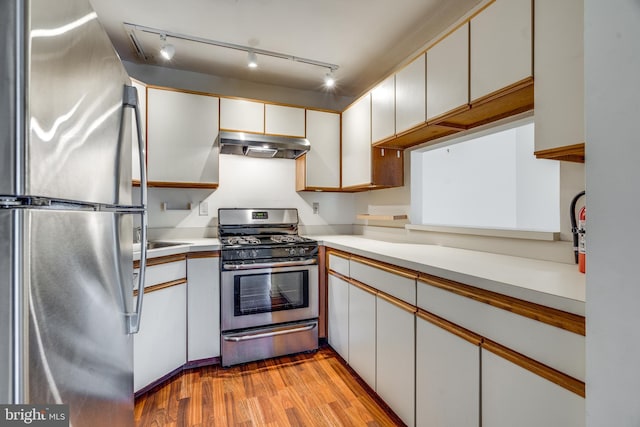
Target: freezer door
(79, 141)
(80, 287)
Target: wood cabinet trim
(339, 275)
(161, 286)
(397, 302)
(570, 153)
(544, 371)
(409, 274)
(364, 287)
(162, 260)
(551, 316)
(171, 184)
(203, 254)
(461, 332)
(173, 89)
(337, 253)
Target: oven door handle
(247, 337)
(232, 266)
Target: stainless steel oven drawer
(271, 341)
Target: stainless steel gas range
(269, 285)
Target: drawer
(553, 346)
(339, 264)
(392, 282)
(164, 272)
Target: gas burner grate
(243, 240)
(289, 238)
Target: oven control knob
(243, 254)
(254, 254)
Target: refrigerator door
(79, 141)
(79, 291)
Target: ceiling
(367, 39)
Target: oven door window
(267, 292)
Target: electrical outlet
(203, 209)
(316, 208)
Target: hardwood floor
(315, 389)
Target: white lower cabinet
(395, 358)
(362, 333)
(160, 346)
(514, 396)
(338, 316)
(203, 303)
(447, 378)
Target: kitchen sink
(158, 245)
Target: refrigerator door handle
(131, 101)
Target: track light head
(252, 60)
(329, 79)
(168, 50)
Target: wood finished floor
(302, 390)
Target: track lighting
(329, 80)
(252, 61)
(168, 50)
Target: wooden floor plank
(308, 390)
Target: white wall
(251, 183)
(612, 94)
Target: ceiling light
(168, 50)
(252, 61)
(329, 80)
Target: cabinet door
(323, 160)
(395, 358)
(514, 396)
(282, 120)
(160, 346)
(356, 143)
(559, 73)
(410, 95)
(448, 73)
(383, 110)
(182, 137)
(362, 333)
(501, 46)
(142, 104)
(447, 378)
(203, 308)
(241, 115)
(338, 316)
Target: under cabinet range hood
(265, 146)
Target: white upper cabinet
(181, 137)
(501, 46)
(448, 73)
(322, 167)
(241, 115)
(142, 106)
(283, 120)
(559, 73)
(356, 143)
(410, 95)
(383, 110)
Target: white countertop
(551, 284)
(187, 245)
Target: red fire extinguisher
(578, 228)
(582, 249)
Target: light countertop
(551, 284)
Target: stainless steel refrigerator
(67, 311)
